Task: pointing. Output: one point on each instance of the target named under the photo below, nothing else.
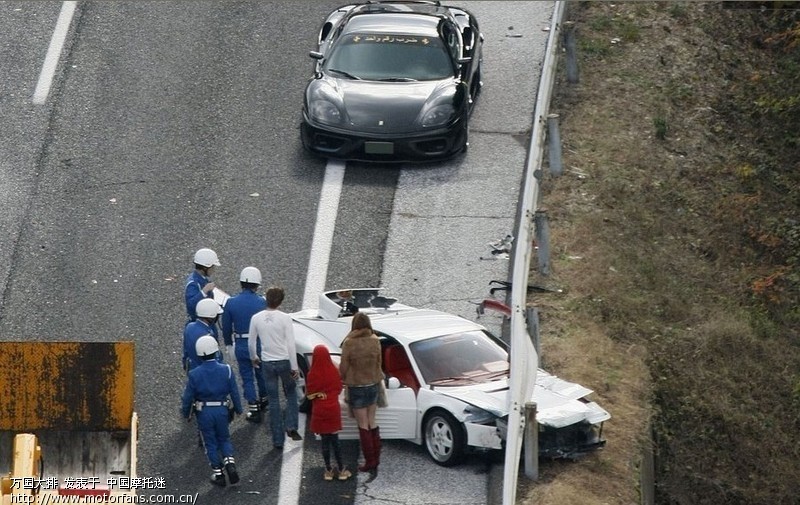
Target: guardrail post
(542, 234)
(531, 442)
(554, 146)
(571, 47)
(532, 318)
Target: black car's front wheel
(444, 438)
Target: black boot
(217, 478)
(230, 469)
(253, 413)
(263, 403)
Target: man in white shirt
(279, 360)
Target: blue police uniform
(191, 332)
(209, 387)
(235, 325)
(193, 292)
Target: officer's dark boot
(218, 478)
(263, 403)
(253, 413)
(230, 469)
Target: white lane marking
(292, 467)
(53, 53)
(292, 464)
(323, 233)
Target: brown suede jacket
(361, 358)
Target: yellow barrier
(87, 386)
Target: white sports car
(447, 380)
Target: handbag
(383, 401)
(347, 402)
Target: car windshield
(390, 58)
(460, 357)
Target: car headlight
(325, 105)
(443, 105)
(438, 115)
(325, 111)
(478, 416)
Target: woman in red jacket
(323, 386)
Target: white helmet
(251, 275)
(206, 346)
(207, 307)
(206, 258)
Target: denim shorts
(362, 396)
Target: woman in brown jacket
(361, 372)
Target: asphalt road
(173, 126)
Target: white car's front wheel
(444, 438)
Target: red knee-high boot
(367, 448)
(376, 444)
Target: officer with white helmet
(235, 325)
(208, 312)
(198, 283)
(210, 389)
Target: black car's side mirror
(316, 55)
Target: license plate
(379, 147)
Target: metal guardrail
(524, 360)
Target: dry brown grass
(654, 274)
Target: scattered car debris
(501, 249)
(532, 288)
(495, 305)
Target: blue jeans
(250, 376)
(362, 396)
(274, 370)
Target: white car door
(397, 421)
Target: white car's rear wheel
(303, 403)
(444, 438)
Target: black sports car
(393, 81)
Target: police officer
(210, 388)
(208, 312)
(198, 283)
(235, 325)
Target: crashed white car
(448, 381)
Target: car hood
(559, 403)
(385, 107)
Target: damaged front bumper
(568, 442)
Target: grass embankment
(675, 235)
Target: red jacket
(326, 415)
